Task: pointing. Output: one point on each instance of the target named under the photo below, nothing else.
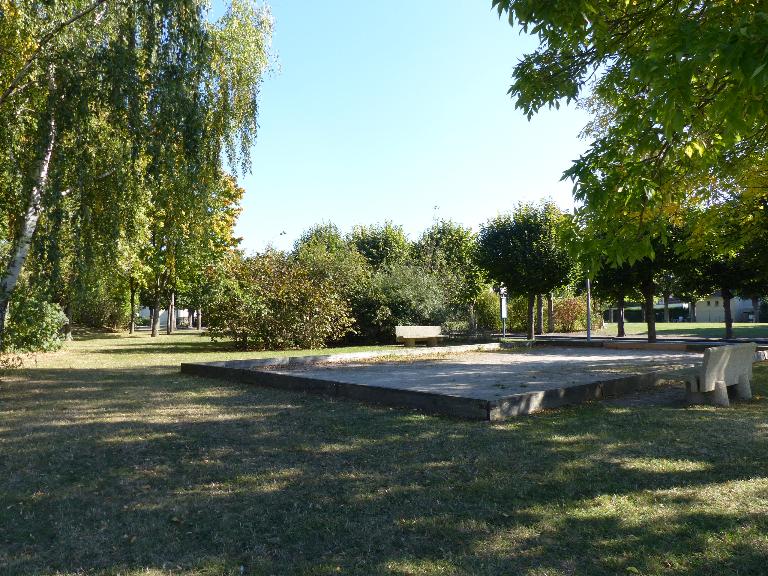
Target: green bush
(273, 302)
(402, 294)
(487, 310)
(32, 325)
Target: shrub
(33, 325)
(487, 310)
(402, 294)
(272, 302)
(571, 314)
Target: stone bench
(410, 335)
(724, 366)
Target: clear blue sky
(397, 111)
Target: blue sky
(397, 111)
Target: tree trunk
(727, 313)
(650, 313)
(666, 308)
(29, 225)
(472, 320)
(132, 323)
(550, 313)
(156, 316)
(171, 324)
(620, 310)
(3, 313)
(755, 310)
(692, 312)
(531, 308)
(199, 319)
(539, 315)
(68, 326)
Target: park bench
(723, 366)
(410, 335)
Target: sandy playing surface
(492, 375)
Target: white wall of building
(181, 314)
(712, 310)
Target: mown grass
(111, 462)
(695, 329)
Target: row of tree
(357, 287)
(334, 287)
(673, 188)
(116, 119)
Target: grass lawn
(700, 329)
(111, 462)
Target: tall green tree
(685, 82)
(381, 244)
(448, 250)
(331, 260)
(525, 251)
(116, 119)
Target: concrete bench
(409, 335)
(723, 366)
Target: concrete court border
(247, 371)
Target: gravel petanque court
(488, 385)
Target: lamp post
(503, 309)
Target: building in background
(708, 310)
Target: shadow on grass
(168, 347)
(118, 471)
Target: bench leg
(409, 342)
(718, 396)
(692, 394)
(431, 341)
(743, 388)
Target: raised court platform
(487, 383)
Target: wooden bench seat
(723, 366)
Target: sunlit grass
(700, 329)
(112, 462)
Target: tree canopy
(524, 251)
(685, 83)
(115, 119)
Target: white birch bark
(16, 263)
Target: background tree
(616, 284)
(329, 259)
(381, 244)
(524, 250)
(448, 250)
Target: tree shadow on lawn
(158, 347)
(115, 471)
